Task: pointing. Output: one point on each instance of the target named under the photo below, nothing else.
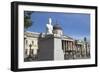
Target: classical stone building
(54, 46)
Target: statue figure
(49, 27)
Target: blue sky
(76, 25)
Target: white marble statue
(49, 27)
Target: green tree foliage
(27, 19)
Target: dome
(57, 26)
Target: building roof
(64, 37)
(31, 34)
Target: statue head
(50, 20)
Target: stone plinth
(50, 48)
(46, 48)
(58, 52)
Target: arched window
(26, 42)
(32, 42)
(26, 50)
